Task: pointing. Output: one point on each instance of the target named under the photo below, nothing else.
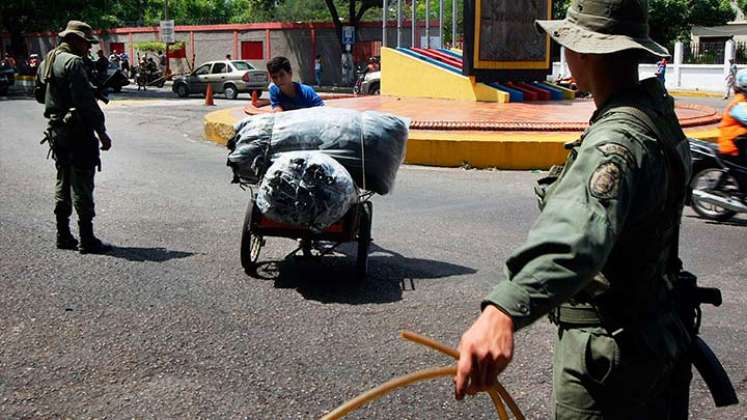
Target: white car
(229, 77)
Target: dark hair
(277, 64)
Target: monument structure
(487, 106)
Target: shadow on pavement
(731, 222)
(332, 278)
(147, 254)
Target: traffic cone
(209, 95)
(255, 99)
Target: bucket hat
(81, 29)
(604, 27)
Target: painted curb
(477, 149)
(696, 93)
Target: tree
(354, 14)
(670, 20)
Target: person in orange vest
(732, 141)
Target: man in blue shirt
(285, 94)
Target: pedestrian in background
(318, 69)
(600, 257)
(661, 71)
(75, 121)
(731, 78)
(162, 61)
(102, 65)
(124, 62)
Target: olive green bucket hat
(81, 29)
(604, 27)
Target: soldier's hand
(106, 141)
(484, 351)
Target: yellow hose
(400, 382)
(435, 345)
(387, 387)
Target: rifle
(689, 297)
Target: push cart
(355, 226)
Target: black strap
(676, 168)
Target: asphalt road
(169, 325)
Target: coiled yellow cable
(496, 393)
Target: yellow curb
(705, 134)
(218, 125)
(696, 93)
(478, 149)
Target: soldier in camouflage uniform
(75, 121)
(598, 259)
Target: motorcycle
(717, 186)
(149, 77)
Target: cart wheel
(251, 244)
(364, 239)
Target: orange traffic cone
(209, 95)
(255, 99)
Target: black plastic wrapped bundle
(370, 145)
(306, 189)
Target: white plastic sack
(370, 145)
(306, 189)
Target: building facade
(254, 42)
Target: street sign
(348, 35)
(167, 31)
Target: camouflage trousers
(593, 379)
(74, 187)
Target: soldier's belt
(576, 315)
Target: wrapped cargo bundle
(370, 145)
(306, 189)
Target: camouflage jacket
(69, 88)
(603, 234)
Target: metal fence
(706, 52)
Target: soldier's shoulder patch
(617, 149)
(605, 181)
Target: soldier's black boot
(89, 244)
(65, 239)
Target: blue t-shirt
(305, 97)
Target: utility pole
(453, 23)
(414, 22)
(399, 23)
(384, 18)
(441, 22)
(166, 17)
(427, 24)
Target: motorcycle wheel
(706, 180)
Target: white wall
(705, 77)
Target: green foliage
(155, 46)
(673, 19)
(670, 20)
(559, 7)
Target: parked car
(229, 77)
